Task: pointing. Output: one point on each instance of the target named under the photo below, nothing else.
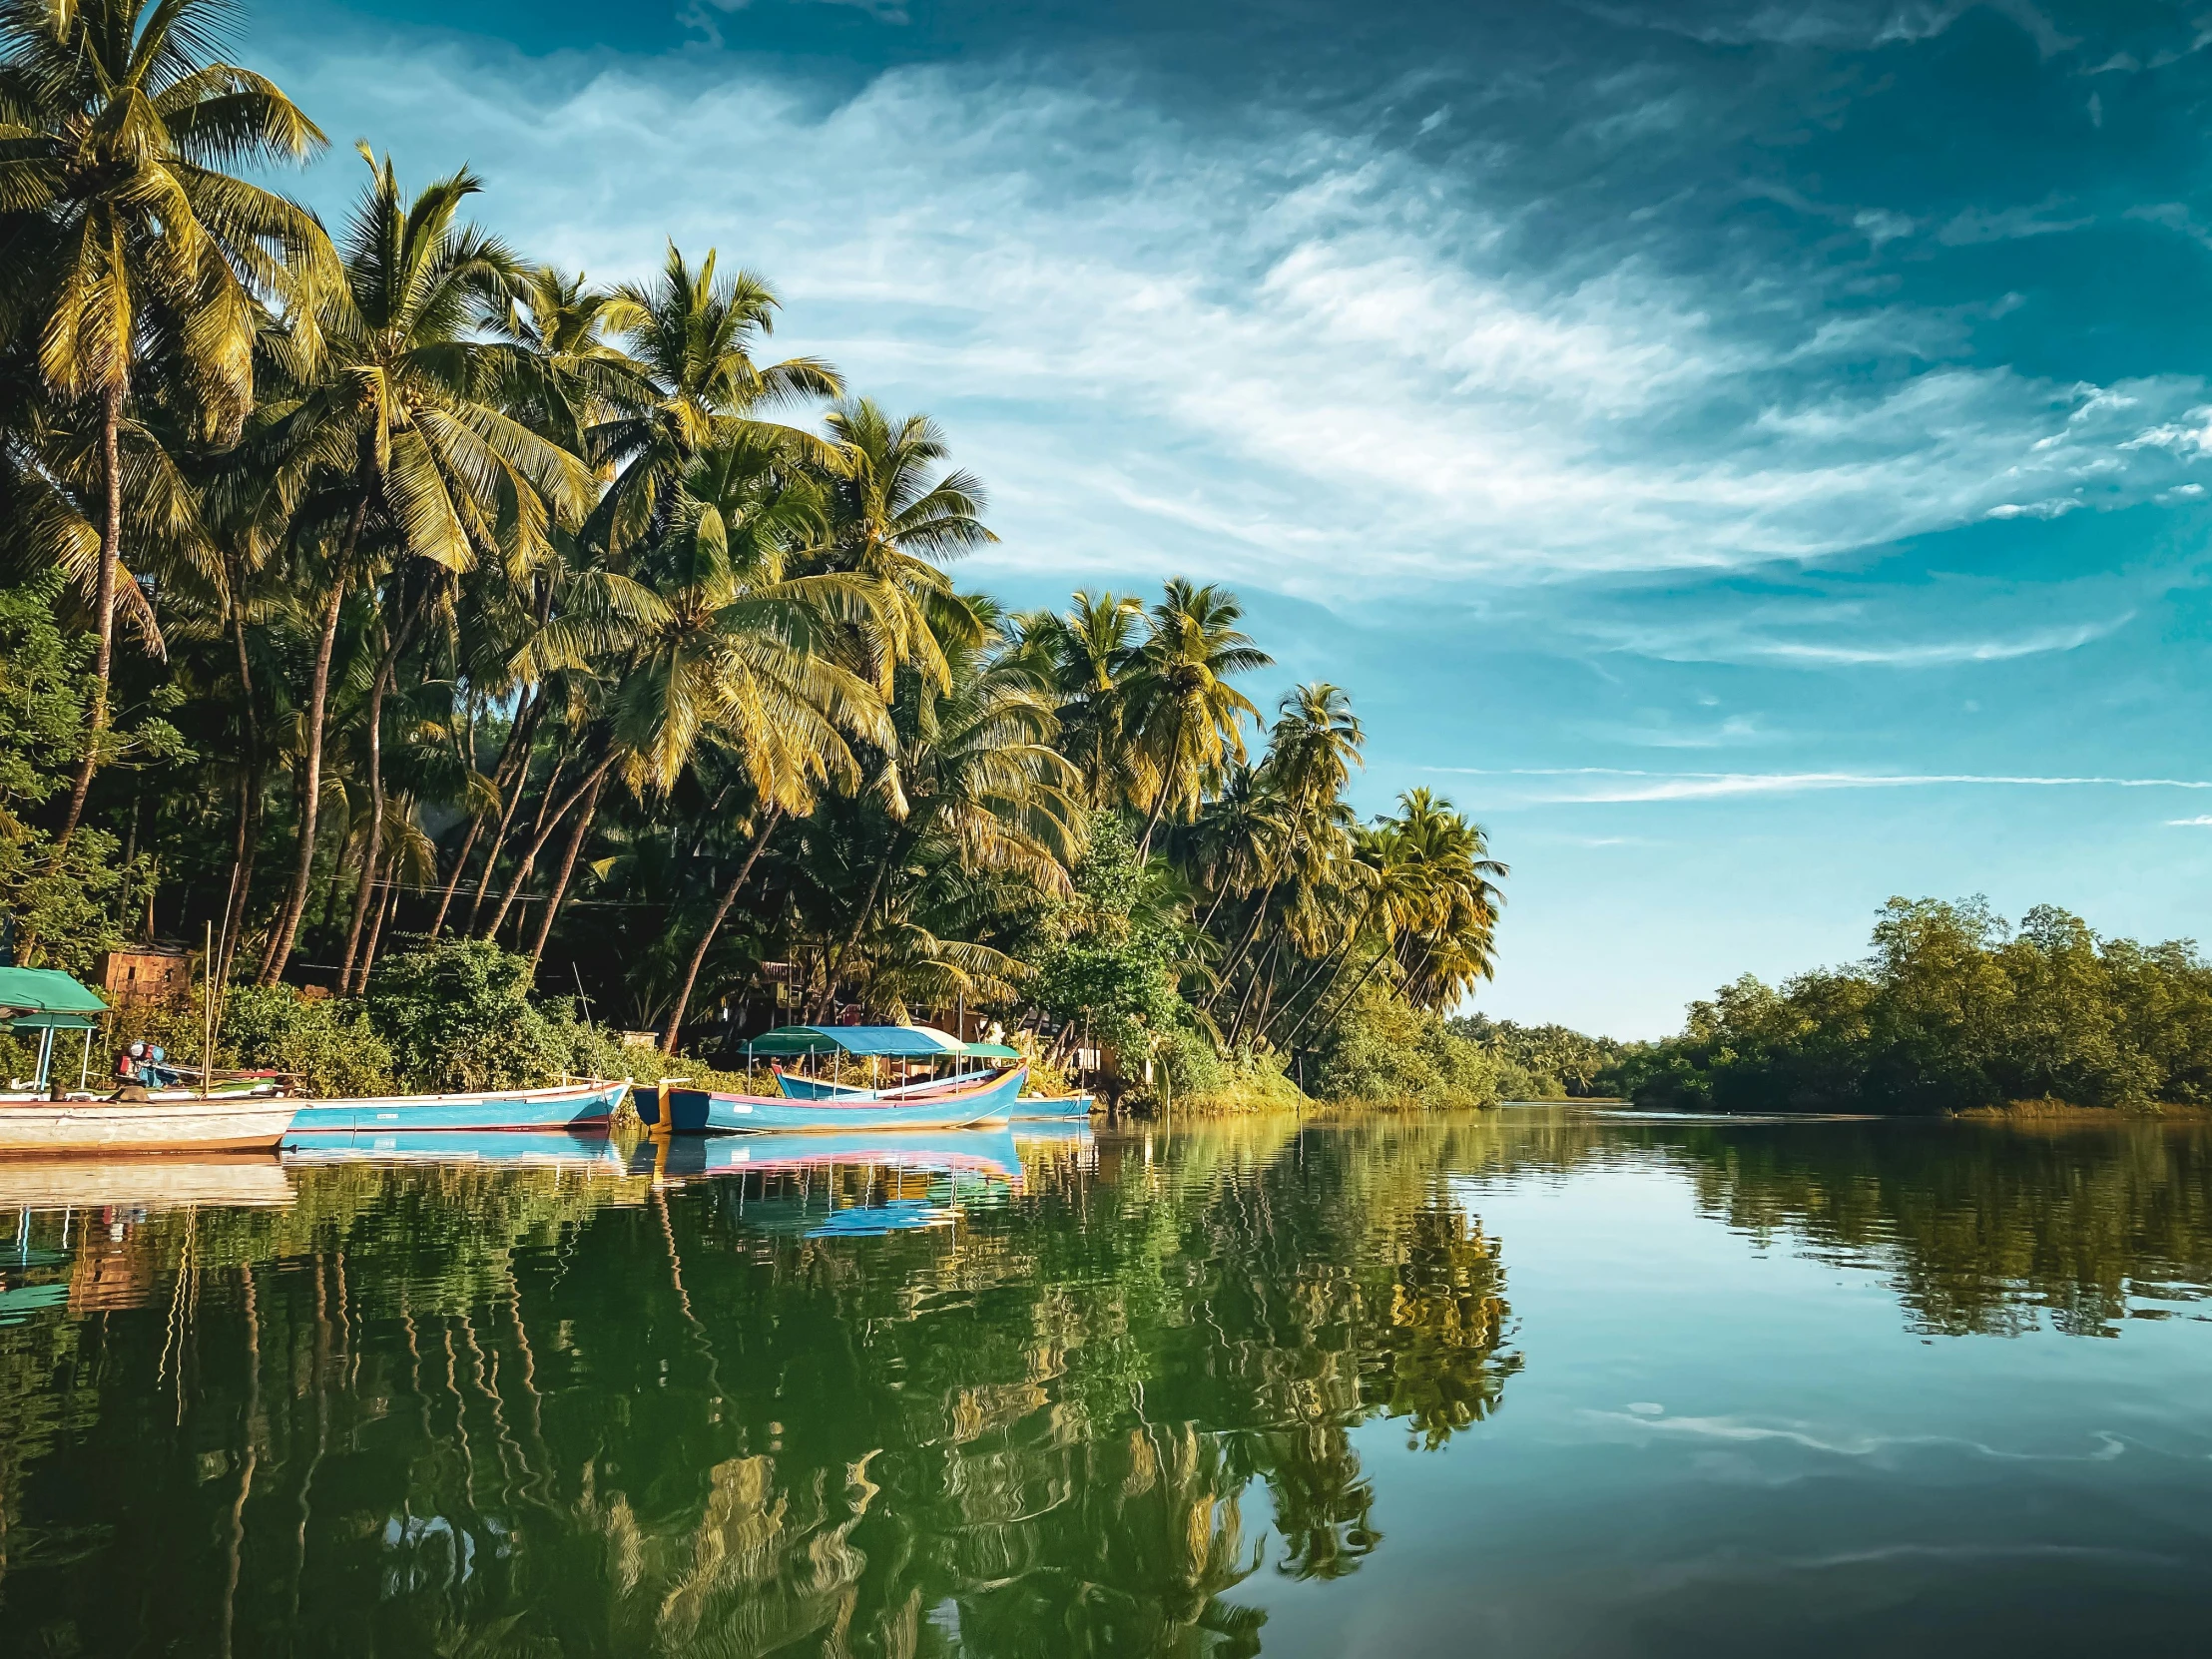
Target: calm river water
(1542, 1383)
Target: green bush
(329, 1042)
(1384, 1052)
(457, 1015)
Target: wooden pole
(207, 1014)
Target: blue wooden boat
(712, 1111)
(1074, 1107)
(588, 1104)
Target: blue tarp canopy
(890, 1042)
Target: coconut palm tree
(896, 519)
(125, 237)
(1187, 718)
(974, 775)
(745, 656)
(400, 431)
(1091, 652)
(692, 337)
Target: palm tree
(1433, 901)
(692, 337)
(1312, 751)
(565, 375)
(743, 655)
(894, 519)
(1188, 719)
(1091, 653)
(123, 239)
(975, 778)
(399, 427)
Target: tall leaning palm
(124, 236)
(1189, 719)
(401, 433)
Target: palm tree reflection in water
(463, 1410)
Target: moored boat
(165, 1126)
(797, 1086)
(588, 1104)
(712, 1111)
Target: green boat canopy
(46, 991)
(889, 1042)
(51, 1023)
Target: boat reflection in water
(844, 1186)
(88, 1217)
(513, 1148)
(146, 1182)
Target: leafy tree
(125, 241)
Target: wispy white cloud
(2199, 823)
(1812, 633)
(1272, 349)
(1620, 786)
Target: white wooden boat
(165, 1126)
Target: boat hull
(1051, 1107)
(1070, 1108)
(709, 1111)
(799, 1087)
(191, 1126)
(570, 1106)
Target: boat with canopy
(901, 1045)
(968, 1096)
(48, 1001)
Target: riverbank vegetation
(371, 591)
(1954, 1011)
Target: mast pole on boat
(207, 1014)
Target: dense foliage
(371, 592)
(1545, 1062)
(1954, 1011)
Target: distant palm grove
(389, 605)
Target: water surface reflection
(1013, 1395)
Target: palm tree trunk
(250, 802)
(568, 869)
(499, 843)
(376, 930)
(1329, 963)
(1252, 986)
(859, 923)
(714, 927)
(318, 707)
(103, 660)
(370, 860)
(1357, 985)
(1221, 980)
(505, 783)
(548, 822)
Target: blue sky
(1753, 455)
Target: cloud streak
(1710, 785)
(1260, 342)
